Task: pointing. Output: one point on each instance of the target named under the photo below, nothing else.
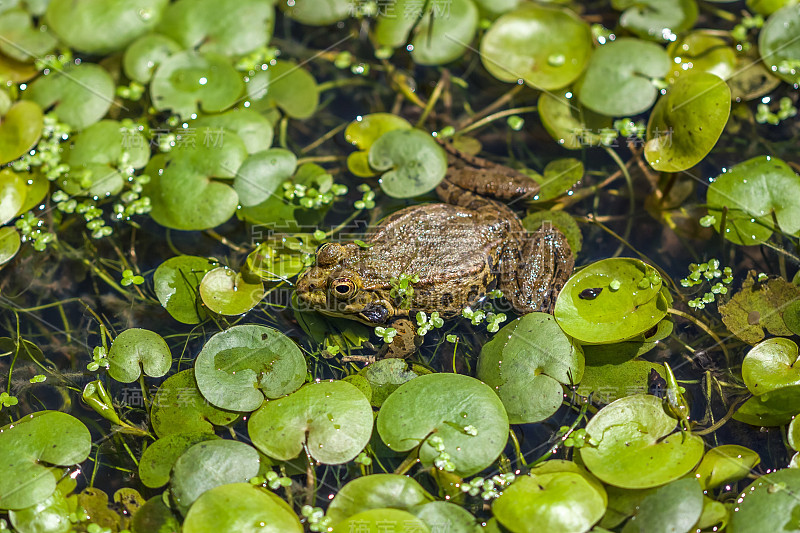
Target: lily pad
(286, 85)
(699, 51)
(243, 508)
(588, 309)
(636, 446)
(618, 79)
(444, 33)
(443, 516)
(154, 516)
(145, 54)
(226, 292)
(9, 244)
(251, 127)
(238, 367)
(176, 282)
(778, 43)
(376, 491)
(659, 20)
(559, 177)
(262, 174)
(178, 407)
(135, 350)
(526, 363)
(20, 39)
(548, 47)
(676, 506)
(609, 381)
(80, 95)
(332, 420)
(102, 26)
(770, 365)
(158, 459)
(13, 191)
(413, 163)
(568, 122)
(210, 464)
(318, 12)
(551, 502)
(384, 377)
(50, 516)
(20, 130)
(28, 448)
(768, 504)
(725, 464)
(379, 520)
(472, 437)
(363, 132)
(187, 81)
(687, 122)
(775, 408)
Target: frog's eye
(343, 288)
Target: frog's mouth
(374, 314)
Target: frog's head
(334, 287)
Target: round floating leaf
(102, 26)
(446, 405)
(775, 408)
(673, 507)
(262, 174)
(618, 79)
(49, 516)
(188, 81)
(176, 282)
(778, 43)
(588, 309)
(20, 130)
(145, 54)
(28, 447)
(725, 464)
(551, 502)
(13, 191)
(699, 51)
(548, 47)
(22, 41)
(15, 71)
(135, 350)
(609, 380)
(443, 36)
(333, 419)
(81, 95)
(377, 491)
(158, 459)
(286, 85)
(770, 365)
(210, 464)
(385, 376)
(178, 407)
(154, 517)
(526, 363)
(635, 444)
(379, 520)
(656, 19)
(752, 309)
(363, 132)
(752, 191)
(9, 244)
(318, 12)
(572, 126)
(687, 122)
(239, 366)
(447, 516)
(232, 29)
(559, 177)
(791, 316)
(768, 504)
(243, 508)
(226, 292)
(413, 162)
(252, 128)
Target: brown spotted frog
(455, 253)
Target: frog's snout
(311, 285)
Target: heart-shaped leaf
(240, 507)
(135, 350)
(262, 174)
(285, 85)
(252, 128)
(413, 162)
(363, 132)
(770, 365)
(145, 54)
(375, 492)
(659, 20)
(20, 40)
(158, 459)
(177, 281)
(20, 130)
(227, 292)
(778, 43)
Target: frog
(452, 254)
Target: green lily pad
(243, 508)
(145, 54)
(380, 520)
(559, 177)
(262, 174)
(20, 130)
(658, 20)
(363, 132)
(618, 79)
(80, 95)
(10, 242)
(756, 307)
(621, 352)
(102, 26)
(135, 350)
(210, 464)
(377, 491)
(768, 504)
(526, 363)
(154, 517)
(13, 191)
(568, 122)
(775, 408)
(445, 516)
(676, 506)
(699, 51)
(562, 221)
(548, 47)
(791, 317)
(318, 12)
(636, 446)
(752, 191)
(178, 407)
(252, 128)
(277, 260)
(384, 377)
(158, 459)
(550, 502)
(332, 420)
(770, 365)
(48, 516)
(473, 437)
(187, 81)
(15, 71)
(286, 85)
(226, 292)
(778, 43)
(686, 123)
(20, 39)
(443, 35)
(413, 163)
(725, 464)
(611, 315)
(238, 367)
(232, 29)
(609, 381)
(28, 448)
(176, 282)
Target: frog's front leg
(405, 342)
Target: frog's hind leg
(532, 274)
